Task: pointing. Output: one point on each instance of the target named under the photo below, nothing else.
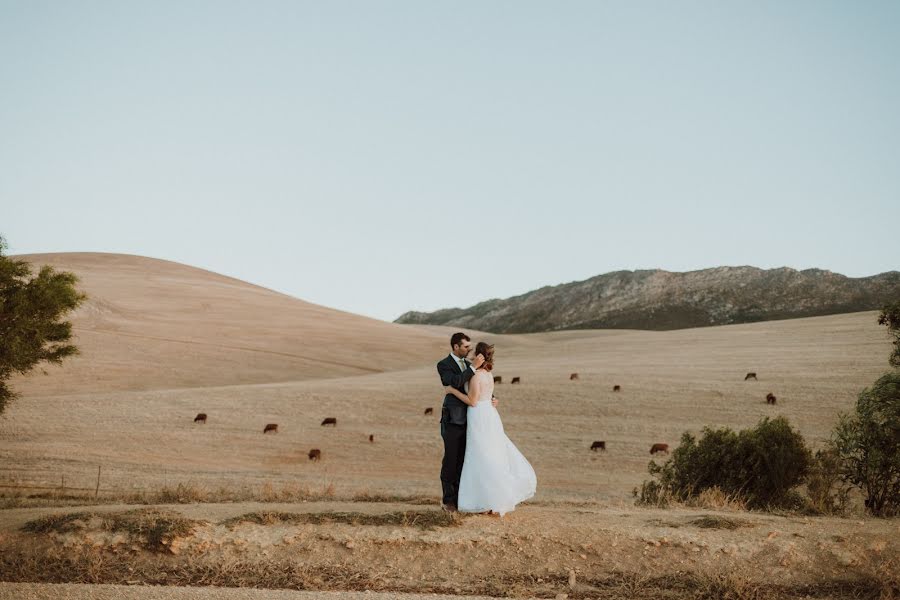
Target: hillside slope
(663, 300)
(151, 324)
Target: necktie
(462, 364)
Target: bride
(495, 476)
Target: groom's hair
(458, 337)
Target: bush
(868, 444)
(827, 492)
(890, 316)
(758, 466)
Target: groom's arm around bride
(454, 376)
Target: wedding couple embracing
(482, 470)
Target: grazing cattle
(498, 379)
(770, 398)
(315, 454)
(200, 418)
(598, 446)
(750, 376)
(330, 421)
(516, 380)
(371, 438)
(573, 376)
(429, 411)
(617, 388)
(271, 427)
(659, 448)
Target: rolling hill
(151, 324)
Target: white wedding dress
(495, 475)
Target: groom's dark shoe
(449, 508)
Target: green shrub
(890, 316)
(759, 466)
(868, 444)
(827, 493)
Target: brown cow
(516, 380)
(371, 438)
(598, 446)
(659, 448)
(315, 454)
(617, 388)
(573, 376)
(498, 379)
(330, 421)
(201, 418)
(429, 411)
(770, 398)
(750, 376)
(271, 427)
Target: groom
(456, 371)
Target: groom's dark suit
(453, 426)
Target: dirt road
(81, 591)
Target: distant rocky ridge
(662, 300)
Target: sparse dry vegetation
(394, 498)
(189, 493)
(717, 522)
(826, 491)
(153, 527)
(85, 565)
(423, 519)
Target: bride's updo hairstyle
(486, 350)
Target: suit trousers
(454, 437)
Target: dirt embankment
(582, 551)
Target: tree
(31, 311)
(868, 443)
(890, 316)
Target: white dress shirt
(461, 362)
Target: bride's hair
(486, 350)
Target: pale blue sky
(384, 156)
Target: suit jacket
(454, 410)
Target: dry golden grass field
(161, 342)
